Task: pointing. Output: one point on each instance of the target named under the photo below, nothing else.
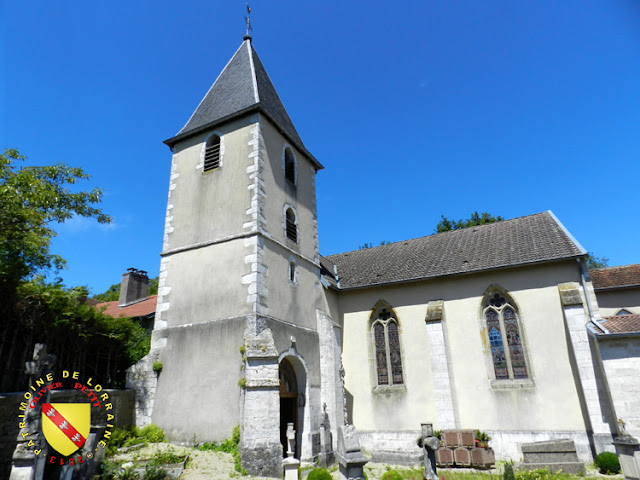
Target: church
(494, 327)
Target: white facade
(251, 332)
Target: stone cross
(429, 444)
(291, 440)
(290, 464)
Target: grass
(376, 471)
(230, 445)
(126, 437)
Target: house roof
(138, 309)
(525, 240)
(242, 87)
(616, 277)
(622, 323)
(326, 270)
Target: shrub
(508, 472)
(319, 474)
(121, 437)
(608, 463)
(157, 366)
(152, 472)
(392, 475)
(128, 474)
(108, 470)
(152, 434)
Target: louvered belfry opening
(292, 228)
(212, 153)
(289, 166)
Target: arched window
(501, 317)
(623, 312)
(212, 153)
(386, 342)
(291, 226)
(289, 166)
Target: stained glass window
(381, 354)
(502, 322)
(386, 339)
(394, 353)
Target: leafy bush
(157, 366)
(131, 435)
(115, 471)
(151, 472)
(77, 333)
(127, 474)
(608, 463)
(108, 470)
(120, 437)
(508, 472)
(152, 434)
(392, 475)
(319, 474)
(230, 445)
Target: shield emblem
(66, 425)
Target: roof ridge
(527, 240)
(442, 233)
(254, 79)
(615, 266)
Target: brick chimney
(134, 287)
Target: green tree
(476, 218)
(32, 199)
(81, 337)
(594, 263)
(110, 294)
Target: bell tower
(240, 285)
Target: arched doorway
(288, 404)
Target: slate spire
(243, 87)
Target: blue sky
(416, 109)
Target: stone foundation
(262, 459)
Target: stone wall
(621, 358)
(391, 447)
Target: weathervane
(247, 19)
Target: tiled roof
(612, 277)
(622, 323)
(531, 239)
(139, 309)
(242, 86)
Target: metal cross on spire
(247, 19)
